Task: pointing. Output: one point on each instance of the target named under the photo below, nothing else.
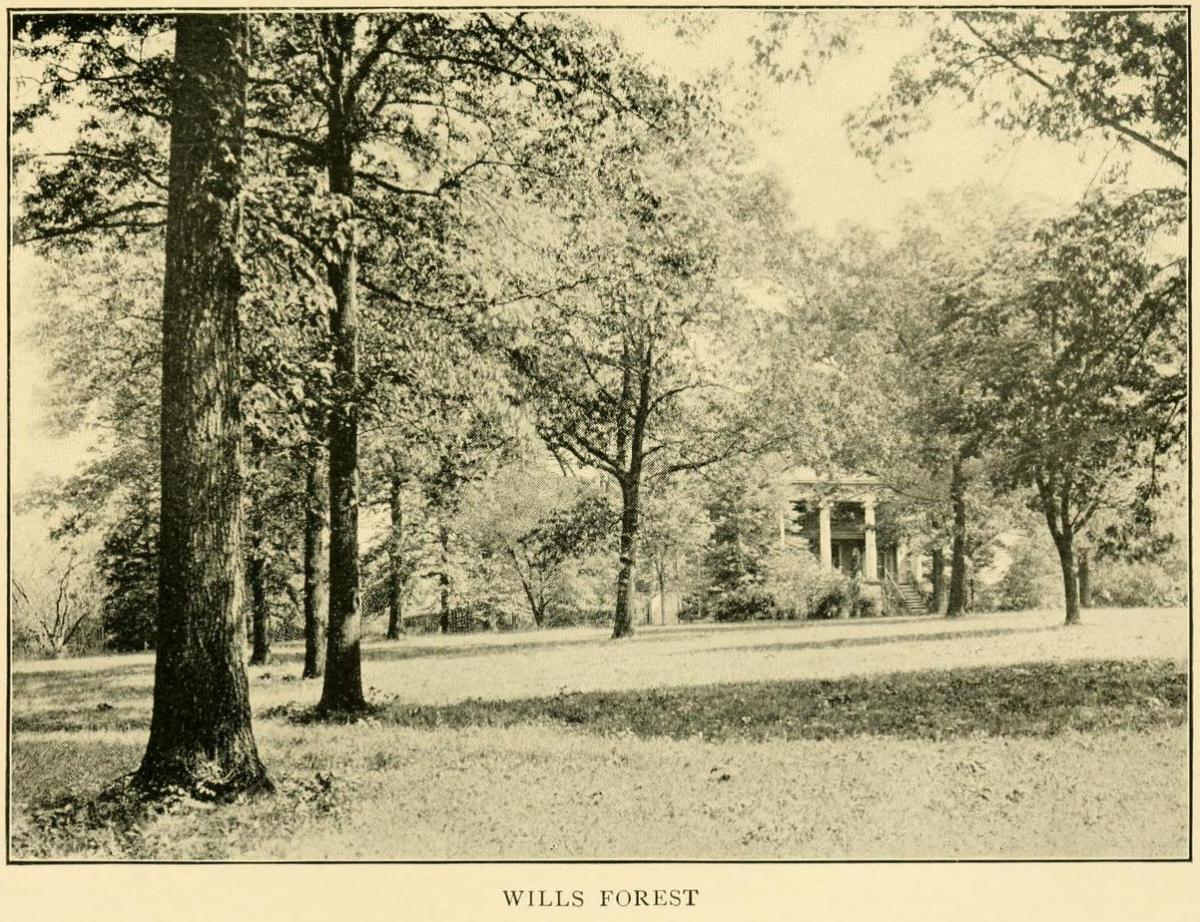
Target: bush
(1032, 580)
(578, 617)
(748, 603)
(836, 598)
(801, 588)
(793, 586)
(1123, 584)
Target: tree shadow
(1029, 699)
(878, 640)
(43, 770)
(115, 698)
(456, 645)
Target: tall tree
(200, 729)
(633, 372)
(368, 124)
(1081, 374)
(409, 110)
(537, 525)
(316, 562)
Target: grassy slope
(563, 745)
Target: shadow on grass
(43, 769)
(403, 649)
(876, 640)
(1035, 699)
(117, 698)
(78, 682)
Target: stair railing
(893, 595)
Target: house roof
(807, 476)
(851, 486)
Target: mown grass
(1005, 737)
(1035, 699)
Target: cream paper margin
(729, 892)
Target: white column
(870, 561)
(826, 541)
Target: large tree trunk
(316, 563)
(937, 576)
(342, 691)
(630, 519)
(396, 563)
(1084, 575)
(661, 573)
(256, 565)
(1055, 500)
(256, 571)
(444, 578)
(956, 605)
(200, 731)
(1066, 560)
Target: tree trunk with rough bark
(396, 563)
(256, 576)
(1055, 496)
(342, 691)
(661, 575)
(630, 520)
(1066, 560)
(956, 604)
(937, 576)
(316, 563)
(1084, 575)
(256, 565)
(444, 579)
(201, 738)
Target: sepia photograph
(602, 435)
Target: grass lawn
(997, 736)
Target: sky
(798, 135)
(803, 140)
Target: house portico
(842, 519)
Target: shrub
(747, 603)
(865, 606)
(1138, 584)
(578, 617)
(838, 598)
(1031, 581)
(802, 588)
(793, 586)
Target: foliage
(1080, 375)
(801, 588)
(128, 560)
(746, 603)
(1138, 584)
(792, 586)
(54, 604)
(1030, 581)
(1061, 74)
(628, 365)
(742, 508)
(535, 528)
